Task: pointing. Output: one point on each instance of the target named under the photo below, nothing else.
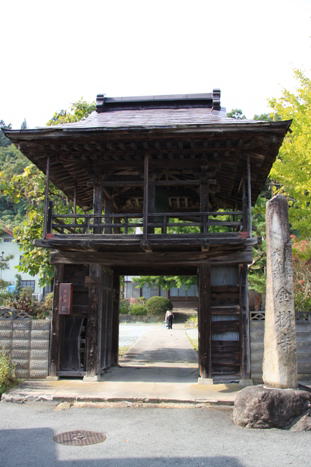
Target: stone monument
(277, 404)
(279, 364)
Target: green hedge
(138, 309)
(158, 305)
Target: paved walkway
(160, 367)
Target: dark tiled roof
(154, 118)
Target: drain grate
(79, 438)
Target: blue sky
(54, 52)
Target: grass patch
(192, 322)
(123, 350)
(193, 342)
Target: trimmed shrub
(124, 306)
(158, 305)
(138, 309)
(7, 371)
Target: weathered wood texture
(204, 322)
(55, 342)
(115, 320)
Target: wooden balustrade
(159, 223)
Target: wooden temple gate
(157, 185)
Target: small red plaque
(65, 298)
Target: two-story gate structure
(158, 185)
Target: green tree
(4, 141)
(22, 184)
(78, 110)
(292, 170)
(237, 114)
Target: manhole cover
(79, 438)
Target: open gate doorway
(85, 337)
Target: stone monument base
(262, 407)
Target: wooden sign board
(65, 298)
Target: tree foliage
(78, 110)
(237, 114)
(22, 189)
(292, 169)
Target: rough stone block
(260, 407)
(22, 324)
(38, 373)
(39, 364)
(22, 373)
(6, 324)
(6, 344)
(21, 344)
(5, 334)
(39, 354)
(37, 344)
(19, 354)
(40, 334)
(21, 334)
(41, 325)
(21, 364)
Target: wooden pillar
(247, 199)
(46, 197)
(115, 320)
(205, 342)
(204, 196)
(107, 217)
(146, 198)
(249, 195)
(107, 319)
(151, 202)
(245, 327)
(55, 338)
(93, 346)
(97, 205)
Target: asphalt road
(143, 437)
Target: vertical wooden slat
(205, 343)
(49, 218)
(97, 205)
(55, 337)
(75, 200)
(245, 324)
(107, 216)
(46, 197)
(245, 219)
(93, 331)
(115, 320)
(146, 198)
(249, 196)
(204, 204)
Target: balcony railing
(160, 223)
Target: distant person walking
(169, 316)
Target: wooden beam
(182, 258)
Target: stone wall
(303, 336)
(27, 343)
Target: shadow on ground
(36, 447)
